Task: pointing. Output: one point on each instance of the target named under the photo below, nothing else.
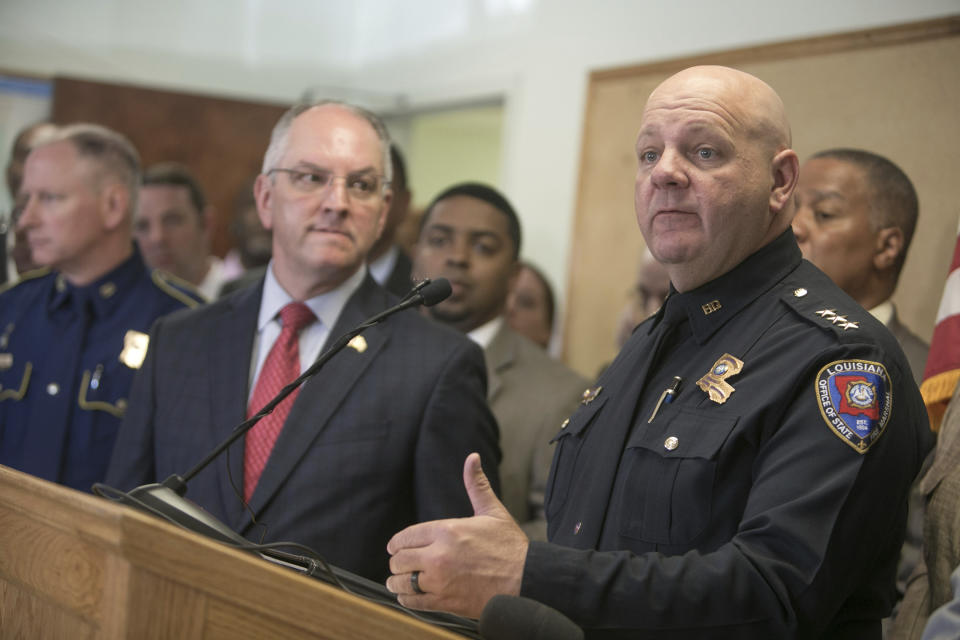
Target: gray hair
(281, 132)
(113, 151)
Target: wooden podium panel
(76, 566)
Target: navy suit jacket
(374, 442)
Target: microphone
(427, 292)
(435, 291)
(517, 618)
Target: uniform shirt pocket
(14, 381)
(568, 442)
(667, 495)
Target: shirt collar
(711, 305)
(883, 312)
(484, 334)
(104, 294)
(326, 306)
(382, 267)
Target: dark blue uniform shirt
(67, 359)
(767, 497)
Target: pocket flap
(575, 424)
(689, 433)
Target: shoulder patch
(855, 398)
(26, 276)
(176, 288)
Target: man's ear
(263, 188)
(114, 204)
(889, 247)
(786, 173)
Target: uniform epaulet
(26, 276)
(177, 288)
(823, 313)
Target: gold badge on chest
(715, 382)
(134, 348)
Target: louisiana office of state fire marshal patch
(856, 399)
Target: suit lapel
(322, 395)
(500, 355)
(232, 348)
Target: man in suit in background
(389, 265)
(856, 213)
(172, 227)
(376, 439)
(929, 586)
(471, 236)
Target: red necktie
(280, 368)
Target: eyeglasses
(360, 186)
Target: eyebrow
(697, 127)
(823, 194)
(303, 164)
(445, 228)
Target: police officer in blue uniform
(741, 469)
(73, 333)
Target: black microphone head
(515, 618)
(437, 291)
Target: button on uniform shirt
(67, 358)
(767, 499)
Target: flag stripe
(943, 364)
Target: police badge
(135, 346)
(855, 398)
(715, 382)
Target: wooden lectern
(76, 566)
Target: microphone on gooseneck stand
(166, 498)
(517, 618)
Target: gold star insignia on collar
(107, 290)
(839, 320)
(850, 325)
(590, 394)
(829, 314)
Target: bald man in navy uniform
(73, 333)
(741, 469)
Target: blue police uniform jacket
(67, 359)
(741, 470)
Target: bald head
(716, 172)
(750, 103)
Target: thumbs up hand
(460, 563)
